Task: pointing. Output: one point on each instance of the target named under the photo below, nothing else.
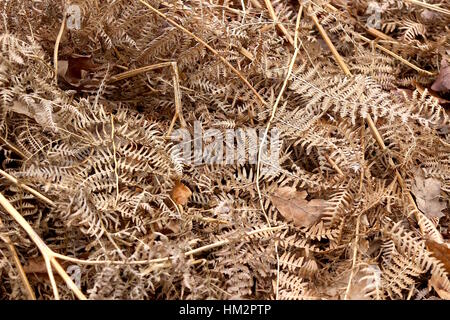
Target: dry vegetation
(90, 182)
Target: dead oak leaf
(76, 71)
(293, 206)
(442, 82)
(427, 192)
(180, 193)
(440, 251)
(37, 267)
(438, 284)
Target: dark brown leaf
(442, 82)
(440, 251)
(75, 70)
(180, 193)
(294, 207)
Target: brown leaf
(37, 268)
(427, 192)
(440, 251)
(35, 265)
(294, 207)
(180, 193)
(437, 284)
(75, 70)
(434, 95)
(442, 82)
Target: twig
(363, 148)
(355, 251)
(330, 45)
(116, 165)
(135, 72)
(379, 34)
(160, 260)
(430, 6)
(13, 147)
(177, 94)
(176, 87)
(297, 24)
(208, 247)
(396, 56)
(27, 188)
(426, 227)
(214, 51)
(22, 274)
(280, 26)
(47, 253)
(58, 40)
(334, 165)
(246, 53)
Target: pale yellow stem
(56, 49)
(47, 253)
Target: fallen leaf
(442, 82)
(440, 251)
(293, 206)
(427, 192)
(174, 226)
(428, 15)
(435, 96)
(76, 70)
(20, 107)
(180, 193)
(358, 287)
(40, 112)
(437, 283)
(35, 265)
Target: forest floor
(225, 149)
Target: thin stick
(58, 40)
(22, 274)
(13, 148)
(159, 260)
(211, 246)
(396, 56)
(334, 165)
(47, 253)
(116, 165)
(27, 188)
(355, 251)
(430, 6)
(258, 167)
(214, 51)
(280, 26)
(330, 45)
(379, 34)
(297, 24)
(376, 134)
(383, 36)
(176, 87)
(135, 72)
(363, 148)
(52, 277)
(177, 94)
